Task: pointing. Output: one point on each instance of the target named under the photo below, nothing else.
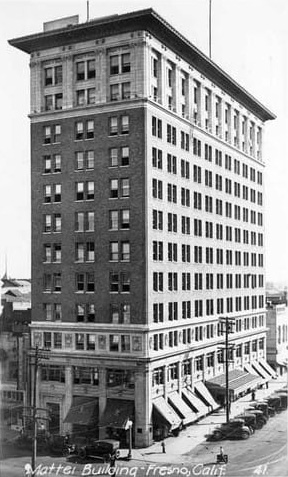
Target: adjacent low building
(14, 347)
(277, 335)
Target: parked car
(104, 450)
(263, 406)
(74, 444)
(234, 429)
(249, 420)
(275, 402)
(261, 419)
(283, 400)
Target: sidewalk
(189, 438)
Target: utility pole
(228, 329)
(37, 354)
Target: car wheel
(82, 453)
(217, 436)
(117, 454)
(65, 451)
(245, 435)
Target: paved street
(264, 453)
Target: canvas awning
(205, 395)
(166, 411)
(181, 407)
(83, 410)
(194, 402)
(250, 369)
(268, 368)
(239, 381)
(261, 371)
(117, 413)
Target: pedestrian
(163, 447)
(112, 465)
(267, 385)
(253, 395)
(221, 452)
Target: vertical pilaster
(102, 399)
(67, 401)
(143, 408)
(68, 80)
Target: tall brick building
(147, 225)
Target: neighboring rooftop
(56, 34)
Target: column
(68, 81)
(143, 429)
(201, 105)
(67, 401)
(35, 86)
(102, 399)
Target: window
(157, 219)
(52, 134)
(84, 130)
(171, 222)
(125, 124)
(57, 340)
(157, 189)
(157, 250)
(158, 312)
(125, 188)
(156, 127)
(171, 164)
(114, 191)
(157, 281)
(84, 160)
(157, 158)
(85, 70)
(85, 282)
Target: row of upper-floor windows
(119, 313)
(85, 221)
(210, 255)
(176, 370)
(172, 166)
(85, 190)
(212, 281)
(85, 251)
(185, 195)
(119, 282)
(85, 129)
(183, 224)
(85, 70)
(85, 160)
(119, 91)
(199, 333)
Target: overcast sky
(249, 41)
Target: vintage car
(263, 406)
(275, 402)
(283, 400)
(249, 420)
(234, 429)
(104, 450)
(261, 419)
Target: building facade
(277, 335)
(14, 347)
(147, 223)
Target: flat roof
(150, 21)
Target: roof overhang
(150, 21)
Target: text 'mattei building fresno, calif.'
(147, 226)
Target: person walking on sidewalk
(253, 395)
(163, 447)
